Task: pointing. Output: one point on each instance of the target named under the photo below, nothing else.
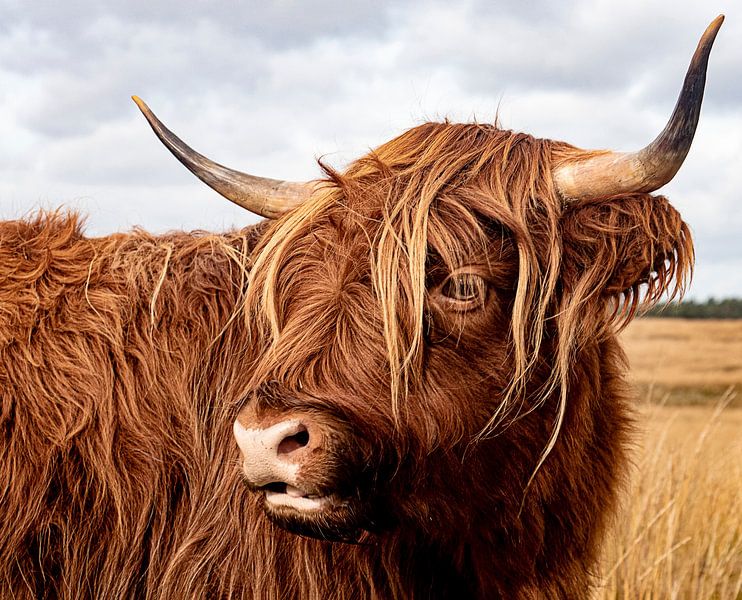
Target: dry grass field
(684, 361)
(680, 532)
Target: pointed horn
(268, 198)
(612, 173)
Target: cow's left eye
(463, 291)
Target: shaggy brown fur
(481, 448)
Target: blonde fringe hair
(433, 186)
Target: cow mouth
(286, 496)
(328, 517)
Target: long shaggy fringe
(584, 269)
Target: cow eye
(463, 291)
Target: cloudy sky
(268, 87)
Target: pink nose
(273, 454)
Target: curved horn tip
(709, 35)
(139, 102)
(266, 197)
(715, 24)
(145, 110)
(610, 173)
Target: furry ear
(624, 247)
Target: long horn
(268, 198)
(611, 173)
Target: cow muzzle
(276, 454)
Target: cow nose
(272, 454)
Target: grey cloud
(277, 24)
(74, 101)
(533, 46)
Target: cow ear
(625, 246)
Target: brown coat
(483, 447)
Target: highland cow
(417, 358)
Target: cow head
(416, 319)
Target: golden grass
(685, 361)
(679, 534)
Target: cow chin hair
(342, 524)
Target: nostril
(293, 442)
